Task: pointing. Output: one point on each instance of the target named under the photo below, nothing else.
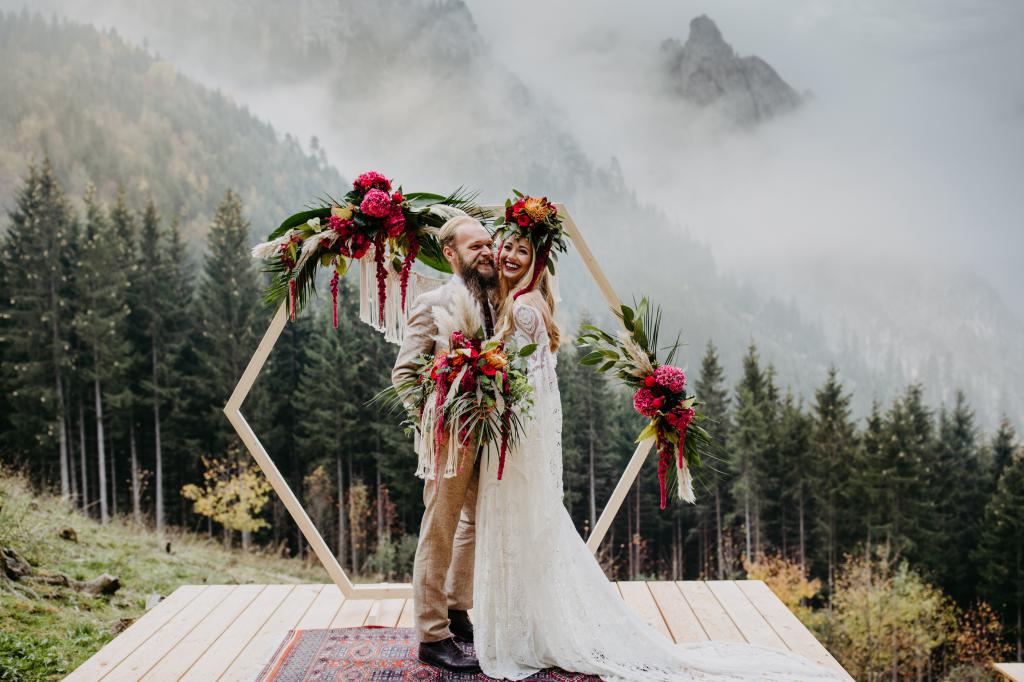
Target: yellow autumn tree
(789, 582)
(886, 621)
(233, 493)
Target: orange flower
(537, 208)
(495, 358)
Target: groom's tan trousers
(442, 575)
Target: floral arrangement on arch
(381, 227)
(536, 219)
(659, 392)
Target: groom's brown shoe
(446, 654)
(460, 626)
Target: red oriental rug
(369, 653)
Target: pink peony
(371, 180)
(670, 378)
(643, 402)
(376, 204)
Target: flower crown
(536, 219)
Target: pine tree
(587, 433)
(230, 318)
(1000, 552)
(34, 326)
(326, 430)
(798, 478)
(833, 445)
(711, 390)
(1003, 446)
(869, 479)
(99, 322)
(747, 445)
(910, 450)
(960, 482)
(164, 297)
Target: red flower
(658, 402)
(395, 223)
(522, 220)
(649, 381)
(397, 197)
(488, 369)
(371, 180)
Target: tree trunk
(136, 482)
(101, 453)
(76, 500)
(746, 518)
(82, 455)
(719, 549)
(352, 535)
(803, 537)
(592, 485)
(380, 506)
(113, 476)
(158, 455)
(342, 543)
(631, 563)
(58, 379)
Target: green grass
(46, 636)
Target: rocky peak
(705, 70)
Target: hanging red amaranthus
(334, 297)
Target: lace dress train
(540, 598)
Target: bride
(540, 598)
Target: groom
(442, 576)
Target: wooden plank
(138, 632)
(681, 621)
(222, 652)
(785, 623)
(181, 657)
(170, 633)
(323, 610)
(1011, 671)
(408, 617)
(639, 598)
(388, 612)
(752, 625)
(352, 613)
(709, 612)
(250, 661)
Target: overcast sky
(911, 147)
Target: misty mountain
(410, 88)
(706, 71)
(110, 113)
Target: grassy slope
(46, 637)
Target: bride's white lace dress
(541, 599)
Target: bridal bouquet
(466, 396)
(385, 230)
(659, 392)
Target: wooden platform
(227, 632)
(1011, 671)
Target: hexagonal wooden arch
(316, 542)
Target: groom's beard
(479, 284)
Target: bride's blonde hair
(506, 292)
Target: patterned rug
(369, 653)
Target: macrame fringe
(393, 324)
